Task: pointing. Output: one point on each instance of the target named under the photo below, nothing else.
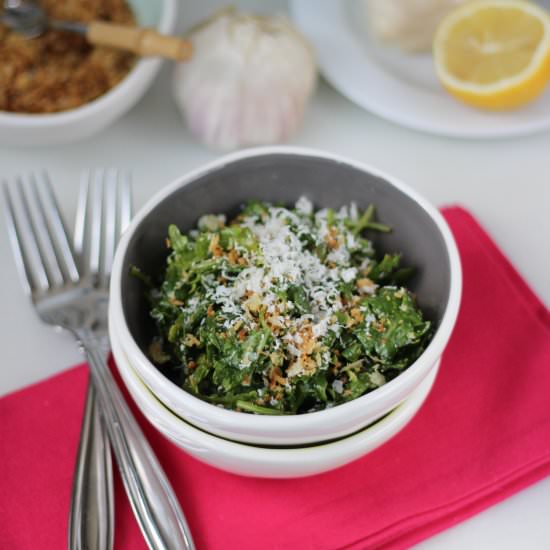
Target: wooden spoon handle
(139, 40)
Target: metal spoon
(29, 19)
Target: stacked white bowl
(288, 445)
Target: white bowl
(250, 460)
(145, 234)
(19, 129)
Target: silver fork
(76, 300)
(91, 516)
(92, 506)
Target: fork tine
(96, 212)
(35, 208)
(81, 214)
(125, 204)
(110, 236)
(104, 210)
(59, 234)
(15, 241)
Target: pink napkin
(482, 435)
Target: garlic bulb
(248, 82)
(409, 24)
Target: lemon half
(494, 54)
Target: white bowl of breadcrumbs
(57, 89)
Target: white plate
(400, 87)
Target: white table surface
(504, 183)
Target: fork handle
(153, 501)
(92, 508)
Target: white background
(505, 184)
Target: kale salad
(284, 310)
